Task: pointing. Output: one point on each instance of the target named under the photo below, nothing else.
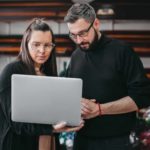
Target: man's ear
(97, 24)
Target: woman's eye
(36, 44)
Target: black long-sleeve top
(15, 135)
(110, 71)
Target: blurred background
(127, 20)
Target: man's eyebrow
(83, 30)
(78, 32)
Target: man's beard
(92, 45)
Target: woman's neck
(37, 68)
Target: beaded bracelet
(100, 111)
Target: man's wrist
(98, 109)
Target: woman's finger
(59, 125)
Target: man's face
(83, 33)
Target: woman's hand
(61, 127)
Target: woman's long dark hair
(49, 67)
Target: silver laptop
(46, 100)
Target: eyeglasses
(35, 46)
(82, 34)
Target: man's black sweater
(110, 71)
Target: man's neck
(99, 35)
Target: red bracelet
(100, 111)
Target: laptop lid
(46, 100)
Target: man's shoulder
(117, 45)
(115, 41)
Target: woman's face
(40, 46)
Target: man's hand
(89, 109)
(61, 127)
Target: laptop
(46, 100)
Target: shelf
(140, 40)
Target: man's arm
(123, 105)
(90, 109)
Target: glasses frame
(36, 49)
(82, 34)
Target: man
(114, 83)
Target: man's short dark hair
(80, 10)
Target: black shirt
(109, 72)
(15, 135)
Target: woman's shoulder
(12, 67)
(9, 69)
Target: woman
(36, 57)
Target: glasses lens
(46, 47)
(83, 33)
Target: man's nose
(79, 39)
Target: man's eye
(47, 45)
(82, 33)
(73, 35)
